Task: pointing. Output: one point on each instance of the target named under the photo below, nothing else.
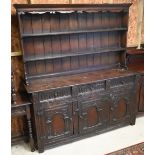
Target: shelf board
(74, 53)
(74, 32)
(77, 71)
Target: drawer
(54, 94)
(123, 81)
(54, 104)
(17, 111)
(89, 88)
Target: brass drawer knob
(114, 119)
(112, 109)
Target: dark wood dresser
(75, 70)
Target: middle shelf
(73, 32)
(72, 53)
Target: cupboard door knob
(114, 119)
(55, 94)
(48, 121)
(112, 109)
(39, 113)
(122, 82)
(77, 110)
(81, 117)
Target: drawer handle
(55, 94)
(112, 96)
(81, 117)
(48, 121)
(39, 113)
(76, 110)
(114, 119)
(122, 82)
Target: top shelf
(73, 32)
(73, 7)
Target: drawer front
(54, 94)
(122, 82)
(53, 103)
(88, 88)
(93, 114)
(17, 111)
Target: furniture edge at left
(20, 108)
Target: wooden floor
(97, 145)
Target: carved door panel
(120, 109)
(58, 121)
(93, 114)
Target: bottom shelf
(77, 71)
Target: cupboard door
(120, 109)
(58, 121)
(93, 114)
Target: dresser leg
(31, 140)
(40, 150)
(133, 121)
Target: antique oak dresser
(75, 70)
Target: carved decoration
(121, 81)
(92, 116)
(58, 124)
(47, 95)
(91, 87)
(120, 107)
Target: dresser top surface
(76, 79)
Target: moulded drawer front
(18, 110)
(55, 103)
(90, 88)
(87, 96)
(54, 93)
(123, 81)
